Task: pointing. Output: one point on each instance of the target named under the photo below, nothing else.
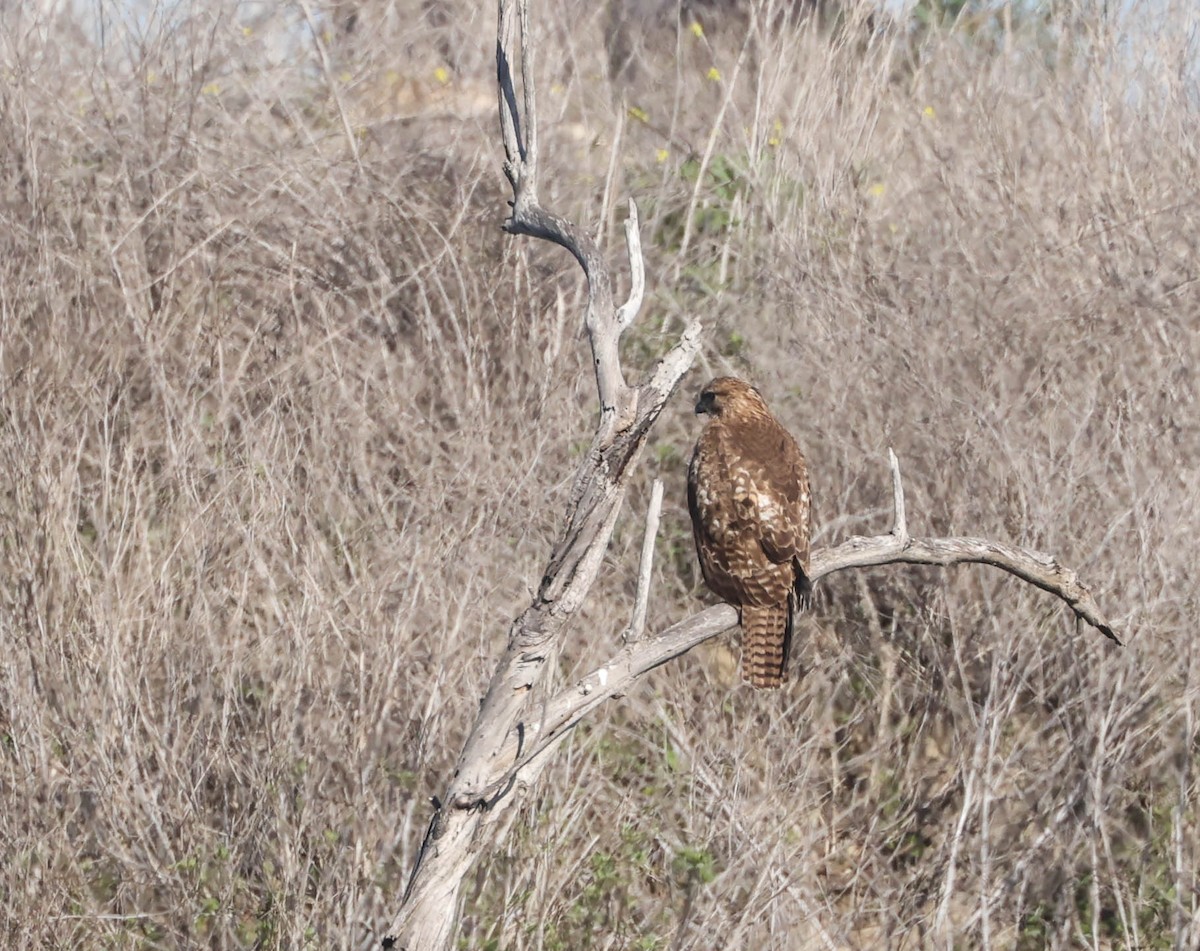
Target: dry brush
(287, 437)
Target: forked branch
(529, 218)
(475, 807)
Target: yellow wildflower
(697, 29)
(714, 74)
(441, 75)
(661, 155)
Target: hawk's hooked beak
(704, 404)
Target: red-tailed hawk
(751, 517)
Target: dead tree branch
(603, 323)
(476, 806)
(616, 678)
(637, 624)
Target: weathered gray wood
(474, 808)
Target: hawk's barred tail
(765, 635)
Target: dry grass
(286, 423)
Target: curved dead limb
(637, 658)
(603, 323)
(897, 547)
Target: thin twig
(628, 311)
(723, 795)
(327, 69)
(702, 182)
(637, 626)
(900, 520)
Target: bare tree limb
(478, 803)
(637, 658)
(531, 219)
(1035, 567)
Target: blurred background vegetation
(287, 424)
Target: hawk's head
(727, 395)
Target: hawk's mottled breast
(749, 499)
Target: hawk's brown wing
(778, 496)
(710, 505)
